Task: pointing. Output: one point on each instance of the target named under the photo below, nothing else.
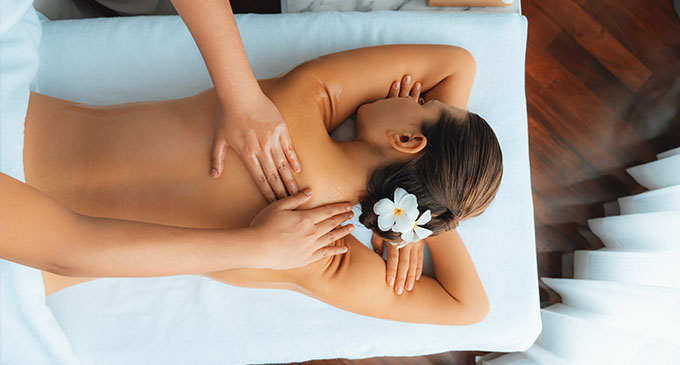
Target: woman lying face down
(447, 158)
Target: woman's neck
(354, 163)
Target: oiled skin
(150, 162)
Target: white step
(650, 311)
(643, 231)
(660, 200)
(569, 334)
(673, 152)
(660, 268)
(658, 174)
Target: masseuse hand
(288, 238)
(258, 133)
(404, 265)
(406, 88)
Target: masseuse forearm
(212, 24)
(108, 247)
(37, 231)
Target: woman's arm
(37, 231)
(354, 77)
(355, 282)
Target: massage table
(194, 320)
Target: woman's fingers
(291, 155)
(256, 171)
(394, 89)
(392, 262)
(415, 93)
(402, 270)
(328, 251)
(335, 235)
(285, 171)
(331, 223)
(421, 257)
(405, 86)
(412, 268)
(272, 173)
(378, 244)
(324, 212)
(295, 200)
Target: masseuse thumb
(217, 157)
(295, 200)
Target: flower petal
(424, 218)
(403, 223)
(421, 233)
(411, 214)
(385, 222)
(383, 206)
(408, 203)
(399, 193)
(408, 236)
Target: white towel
(29, 334)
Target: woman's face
(377, 120)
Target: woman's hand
(258, 133)
(285, 238)
(404, 265)
(406, 88)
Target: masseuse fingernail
(399, 290)
(213, 172)
(409, 286)
(307, 191)
(390, 281)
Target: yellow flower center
(397, 212)
(415, 225)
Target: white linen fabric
(623, 305)
(195, 320)
(29, 334)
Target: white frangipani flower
(397, 215)
(417, 233)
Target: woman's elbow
(470, 312)
(478, 311)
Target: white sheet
(195, 320)
(29, 333)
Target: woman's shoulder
(301, 93)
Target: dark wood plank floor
(603, 94)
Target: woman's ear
(407, 142)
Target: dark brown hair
(455, 176)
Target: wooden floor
(603, 94)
